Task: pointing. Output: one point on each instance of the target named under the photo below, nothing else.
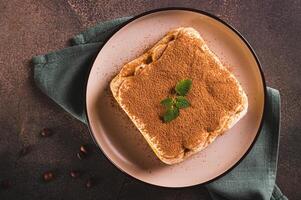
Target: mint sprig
(174, 104)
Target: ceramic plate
(116, 135)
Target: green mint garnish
(183, 87)
(168, 102)
(174, 104)
(170, 114)
(182, 102)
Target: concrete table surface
(31, 27)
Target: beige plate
(122, 143)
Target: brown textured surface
(214, 96)
(30, 27)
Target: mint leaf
(183, 87)
(168, 102)
(182, 102)
(171, 114)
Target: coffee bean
(46, 132)
(81, 155)
(89, 183)
(24, 151)
(83, 148)
(6, 184)
(74, 173)
(48, 176)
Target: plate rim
(199, 12)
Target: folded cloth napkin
(61, 75)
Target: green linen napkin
(61, 75)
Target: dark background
(30, 27)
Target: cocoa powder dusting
(214, 94)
